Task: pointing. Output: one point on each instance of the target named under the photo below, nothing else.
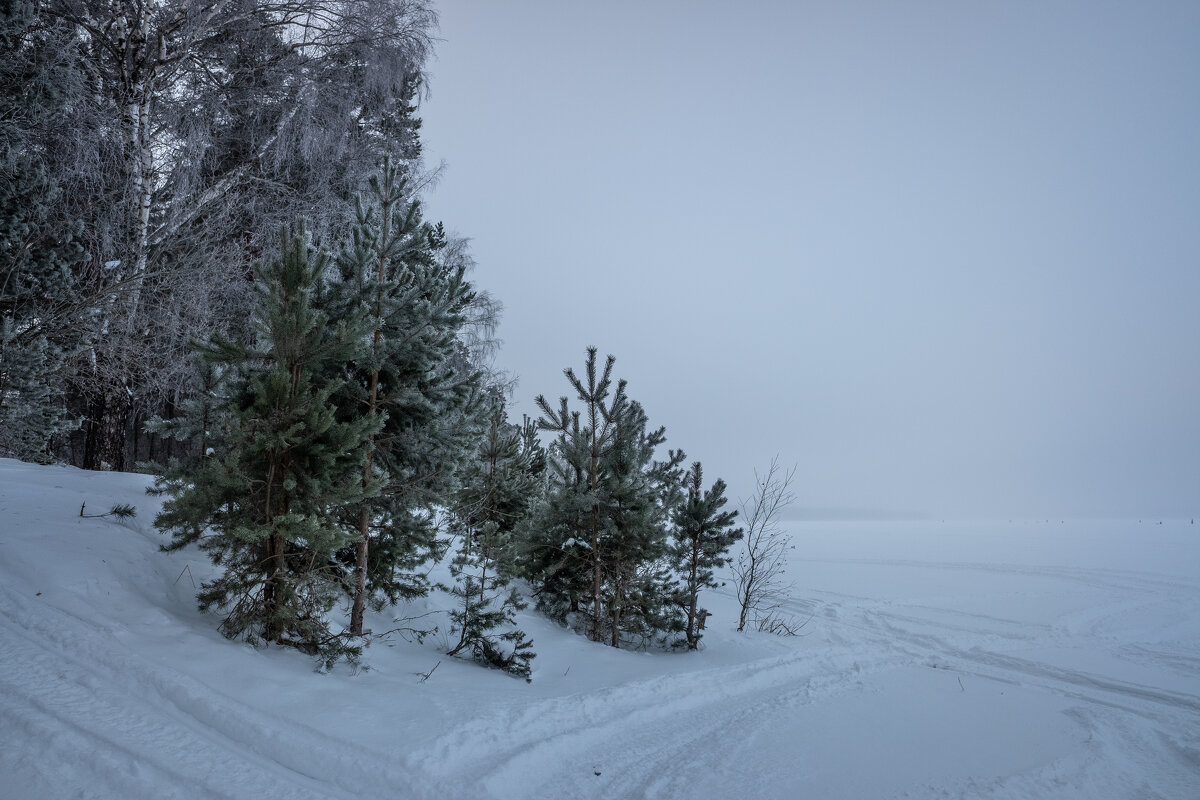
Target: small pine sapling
(703, 535)
(494, 500)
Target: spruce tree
(703, 535)
(194, 417)
(38, 251)
(498, 488)
(412, 370)
(264, 504)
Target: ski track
(554, 747)
(1120, 656)
(1131, 726)
(83, 674)
(630, 731)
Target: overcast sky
(944, 257)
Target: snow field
(999, 660)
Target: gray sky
(945, 257)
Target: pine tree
(572, 530)
(284, 466)
(412, 370)
(703, 535)
(641, 492)
(599, 539)
(555, 554)
(498, 488)
(38, 250)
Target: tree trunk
(360, 572)
(593, 481)
(364, 515)
(273, 630)
(615, 639)
(108, 418)
(273, 563)
(694, 592)
(596, 582)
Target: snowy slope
(1009, 660)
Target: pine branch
(120, 511)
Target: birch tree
(215, 121)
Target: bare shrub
(759, 570)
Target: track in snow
(978, 668)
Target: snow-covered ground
(1001, 660)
